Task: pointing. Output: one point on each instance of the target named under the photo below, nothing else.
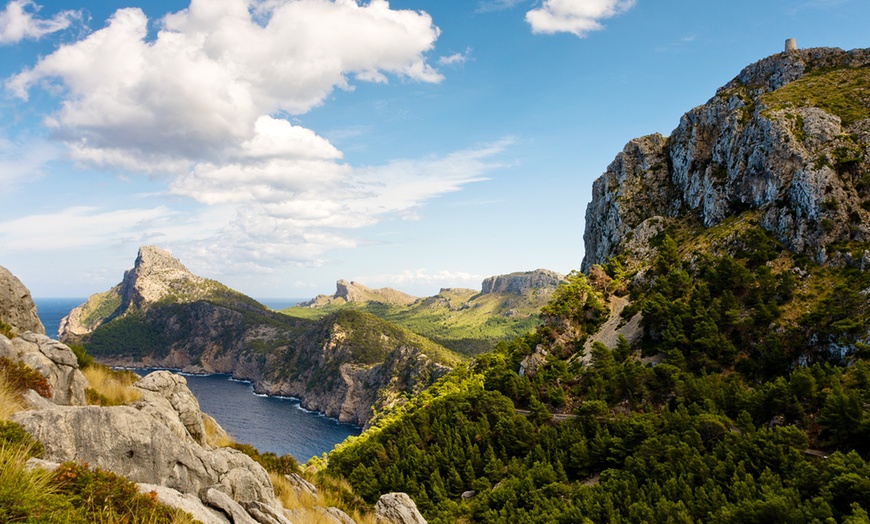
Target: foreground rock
(53, 360)
(17, 309)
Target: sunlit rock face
(760, 144)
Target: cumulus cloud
(204, 101)
(197, 91)
(574, 16)
(17, 22)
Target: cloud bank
(206, 103)
(574, 16)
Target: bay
(270, 424)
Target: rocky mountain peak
(155, 276)
(355, 292)
(788, 139)
(521, 282)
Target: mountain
(343, 364)
(464, 320)
(711, 362)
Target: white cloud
(424, 277)
(17, 22)
(82, 226)
(455, 58)
(574, 16)
(196, 92)
(22, 161)
(200, 101)
(489, 6)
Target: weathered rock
(17, 309)
(265, 514)
(355, 292)
(53, 360)
(300, 485)
(138, 446)
(185, 502)
(338, 516)
(794, 164)
(397, 508)
(522, 282)
(236, 513)
(173, 388)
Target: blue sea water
(275, 424)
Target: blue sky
(281, 145)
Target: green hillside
(461, 320)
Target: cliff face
(355, 292)
(162, 315)
(789, 137)
(520, 283)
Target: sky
(280, 145)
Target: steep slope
(162, 315)
(740, 392)
(463, 320)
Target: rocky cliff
(355, 292)
(521, 283)
(789, 138)
(162, 315)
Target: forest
(745, 400)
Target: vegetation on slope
(461, 320)
(760, 369)
(843, 91)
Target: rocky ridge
(167, 317)
(355, 292)
(788, 138)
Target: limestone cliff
(521, 283)
(789, 137)
(162, 315)
(355, 292)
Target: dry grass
(10, 400)
(109, 387)
(215, 436)
(305, 505)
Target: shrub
(6, 330)
(19, 378)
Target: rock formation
(760, 144)
(520, 283)
(355, 292)
(397, 508)
(53, 360)
(17, 309)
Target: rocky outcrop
(397, 508)
(17, 309)
(158, 441)
(521, 283)
(761, 145)
(53, 360)
(355, 292)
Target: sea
(271, 424)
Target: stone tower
(790, 45)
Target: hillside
(344, 364)
(463, 320)
(731, 257)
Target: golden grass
(215, 436)
(112, 388)
(304, 505)
(10, 400)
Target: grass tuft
(110, 387)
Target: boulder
(185, 502)
(397, 508)
(17, 309)
(162, 388)
(53, 360)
